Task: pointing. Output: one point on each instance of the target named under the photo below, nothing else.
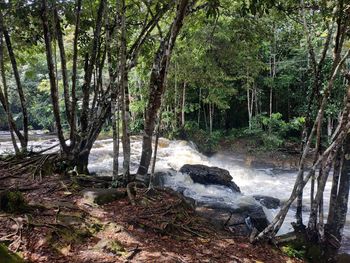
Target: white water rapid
(174, 154)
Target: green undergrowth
(7, 256)
(12, 202)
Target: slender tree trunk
(151, 181)
(255, 98)
(183, 105)
(157, 84)
(343, 193)
(329, 127)
(4, 97)
(210, 118)
(60, 41)
(89, 69)
(205, 117)
(73, 124)
(175, 97)
(115, 128)
(249, 112)
(338, 163)
(199, 108)
(52, 76)
(327, 156)
(124, 92)
(24, 142)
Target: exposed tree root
(31, 165)
(131, 189)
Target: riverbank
(59, 224)
(257, 157)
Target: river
(174, 154)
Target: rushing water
(174, 154)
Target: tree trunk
(343, 193)
(4, 98)
(60, 41)
(157, 84)
(89, 69)
(151, 181)
(124, 94)
(337, 167)
(20, 91)
(73, 124)
(52, 76)
(115, 128)
(210, 118)
(199, 108)
(248, 108)
(326, 157)
(183, 105)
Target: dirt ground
(59, 225)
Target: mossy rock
(101, 196)
(12, 202)
(64, 236)
(111, 246)
(8, 257)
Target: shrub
(206, 142)
(271, 132)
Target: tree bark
(124, 94)
(59, 35)
(52, 76)
(157, 87)
(151, 181)
(73, 124)
(4, 98)
(90, 68)
(24, 142)
(183, 105)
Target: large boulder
(252, 215)
(209, 175)
(158, 178)
(240, 221)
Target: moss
(290, 251)
(12, 202)
(64, 236)
(111, 246)
(302, 248)
(7, 257)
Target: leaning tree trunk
(157, 84)
(4, 99)
(24, 138)
(326, 158)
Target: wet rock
(102, 196)
(217, 217)
(343, 258)
(158, 179)
(209, 175)
(268, 201)
(239, 220)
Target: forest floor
(59, 225)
